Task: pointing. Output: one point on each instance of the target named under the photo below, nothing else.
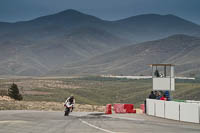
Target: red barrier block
(129, 108)
(131, 111)
(119, 108)
(142, 107)
(108, 109)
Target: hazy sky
(17, 10)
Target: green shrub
(13, 92)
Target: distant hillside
(153, 26)
(181, 50)
(34, 47)
(38, 46)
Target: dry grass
(7, 103)
(93, 91)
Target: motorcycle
(68, 108)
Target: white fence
(187, 112)
(150, 107)
(172, 110)
(159, 108)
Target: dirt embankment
(7, 103)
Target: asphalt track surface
(79, 122)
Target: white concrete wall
(150, 107)
(199, 113)
(159, 108)
(189, 112)
(172, 110)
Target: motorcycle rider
(71, 101)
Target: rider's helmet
(72, 97)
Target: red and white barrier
(142, 107)
(119, 108)
(108, 109)
(124, 108)
(129, 108)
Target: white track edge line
(105, 130)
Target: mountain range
(71, 42)
(181, 50)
